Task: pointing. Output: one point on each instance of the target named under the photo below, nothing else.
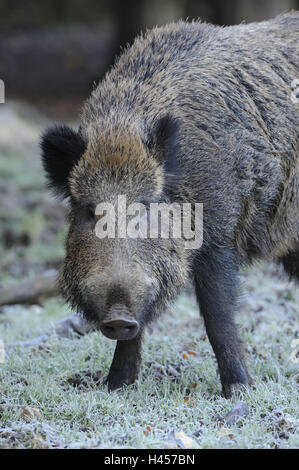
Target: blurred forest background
(52, 51)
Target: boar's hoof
(234, 390)
(117, 383)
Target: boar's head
(119, 283)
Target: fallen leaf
(147, 430)
(29, 413)
(185, 354)
(192, 353)
(182, 440)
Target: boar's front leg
(215, 274)
(126, 362)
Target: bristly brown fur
(190, 113)
(230, 88)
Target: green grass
(89, 416)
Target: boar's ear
(163, 142)
(61, 148)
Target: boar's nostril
(109, 328)
(120, 328)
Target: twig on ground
(63, 329)
(33, 291)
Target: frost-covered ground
(50, 396)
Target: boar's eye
(90, 212)
(86, 213)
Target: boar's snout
(119, 325)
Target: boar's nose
(120, 328)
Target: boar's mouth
(117, 320)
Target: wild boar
(190, 113)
